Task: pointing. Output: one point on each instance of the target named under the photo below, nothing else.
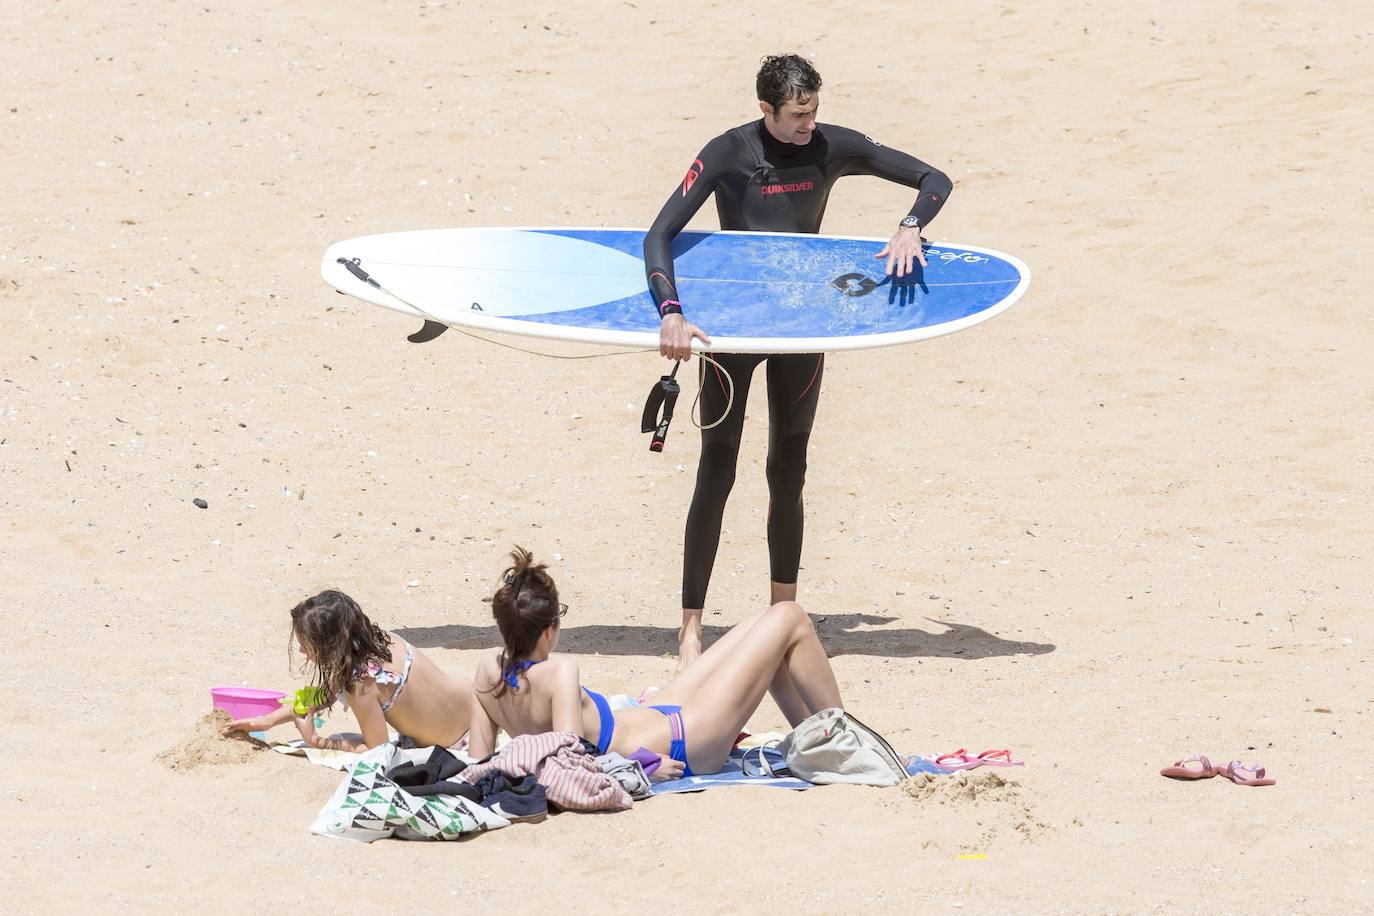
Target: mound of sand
(1000, 810)
(205, 745)
(979, 785)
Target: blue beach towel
(732, 775)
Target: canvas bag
(830, 747)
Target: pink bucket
(246, 702)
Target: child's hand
(258, 723)
(306, 726)
(255, 724)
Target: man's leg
(781, 591)
(794, 389)
(715, 477)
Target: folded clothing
(629, 772)
(431, 776)
(570, 776)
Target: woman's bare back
(434, 705)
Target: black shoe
(522, 801)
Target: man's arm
(852, 153)
(676, 334)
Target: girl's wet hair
(341, 638)
(525, 605)
(783, 77)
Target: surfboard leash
(664, 393)
(427, 333)
(658, 407)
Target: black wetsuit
(762, 184)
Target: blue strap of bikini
(511, 675)
(677, 747)
(512, 672)
(603, 710)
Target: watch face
(910, 222)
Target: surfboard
(752, 292)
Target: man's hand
(675, 337)
(901, 250)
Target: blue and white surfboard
(752, 292)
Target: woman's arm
(366, 704)
(481, 729)
(566, 705)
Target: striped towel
(571, 778)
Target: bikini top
(511, 673)
(383, 677)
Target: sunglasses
(562, 609)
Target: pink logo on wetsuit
(789, 188)
(693, 172)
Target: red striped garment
(571, 779)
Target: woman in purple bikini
(526, 689)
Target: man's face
(795, 121)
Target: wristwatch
(910, 222)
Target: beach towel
(342, 760)
(368, 806)
(334, 760)
(732, 774)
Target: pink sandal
(961, 760)
(1237, 773)
(1000, 758)
(1184, 769)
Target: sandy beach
(1124, 521)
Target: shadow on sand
(838, 632)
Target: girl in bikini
(524, 689)
(378, 675)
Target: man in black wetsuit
(770, 175)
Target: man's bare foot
(688, 646)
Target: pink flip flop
(1185, 768)
(961, 760)
(1000, 758)
(958, 760)
(1245, 774)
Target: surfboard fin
(431, 330)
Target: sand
(205, 745)
(1126, 520)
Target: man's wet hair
(783, 77)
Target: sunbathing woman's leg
(780, 638)
(707, 667)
